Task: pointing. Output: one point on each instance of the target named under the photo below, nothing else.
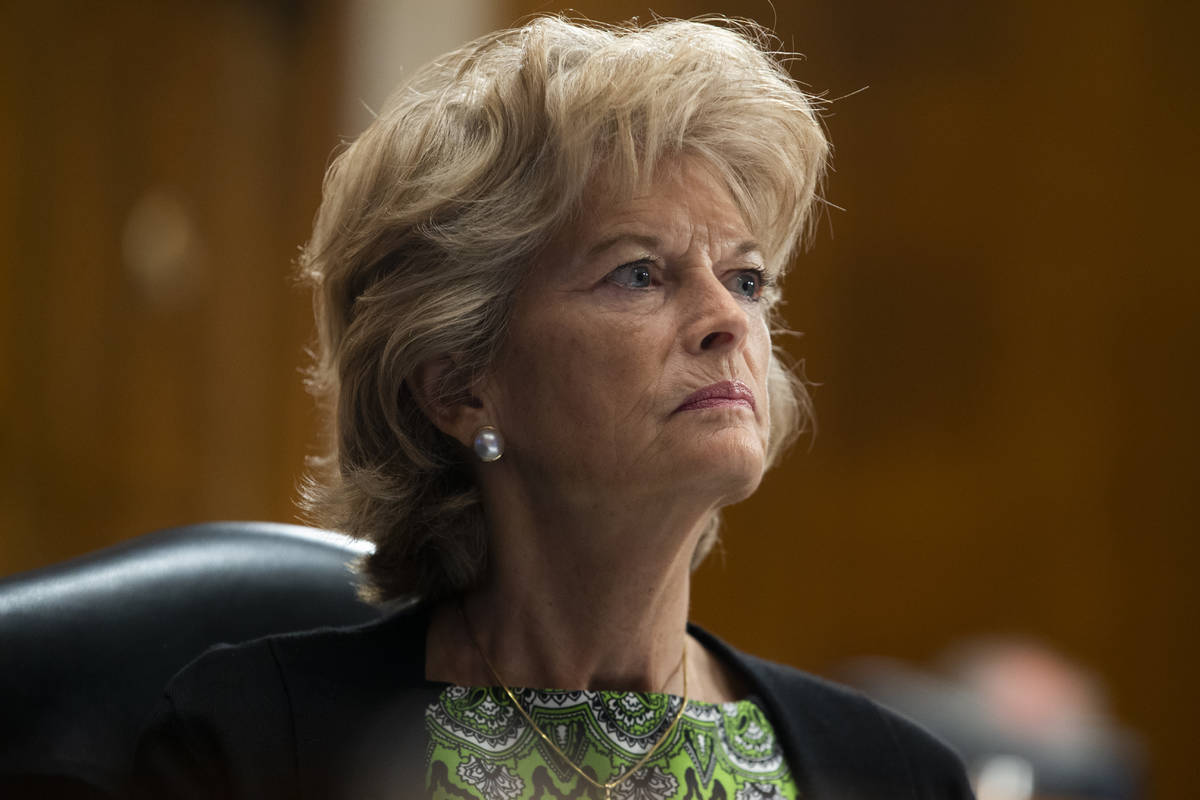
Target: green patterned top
(481, 748)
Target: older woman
(545, 280)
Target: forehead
(683, 200)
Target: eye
(635, 275)
(748, 283)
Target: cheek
(758, 350)
(759, 361)
(590, 378)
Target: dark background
(1001, 316)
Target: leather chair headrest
(86, 646)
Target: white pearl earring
(489, 444)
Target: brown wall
(159, 165)
(1002, 319)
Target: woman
(545, 282)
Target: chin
(747, 487)
(733, 471)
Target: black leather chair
(87, 645)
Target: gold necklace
(607, 787)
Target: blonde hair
(431, 218)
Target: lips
(725, 393)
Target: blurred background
(999, 311)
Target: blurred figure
(1027, 722)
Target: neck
(593, 600)
(532, 664)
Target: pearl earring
(489, 444)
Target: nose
(717, 320)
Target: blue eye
(637, 275)
(749, 283)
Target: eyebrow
(653, 242)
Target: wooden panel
(163, 163)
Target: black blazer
(340, 713)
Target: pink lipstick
(725, 393)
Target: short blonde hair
(432, 217)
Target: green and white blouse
(480, 747)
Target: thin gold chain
(607, 787)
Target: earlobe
(456, 414)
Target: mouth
(725, 393)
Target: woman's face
(636, 361)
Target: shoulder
(225, 710)
(269, 671)
(841, 743)
(262, 718)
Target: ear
(457, 416)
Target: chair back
(86, 646)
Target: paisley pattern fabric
(480, 747)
